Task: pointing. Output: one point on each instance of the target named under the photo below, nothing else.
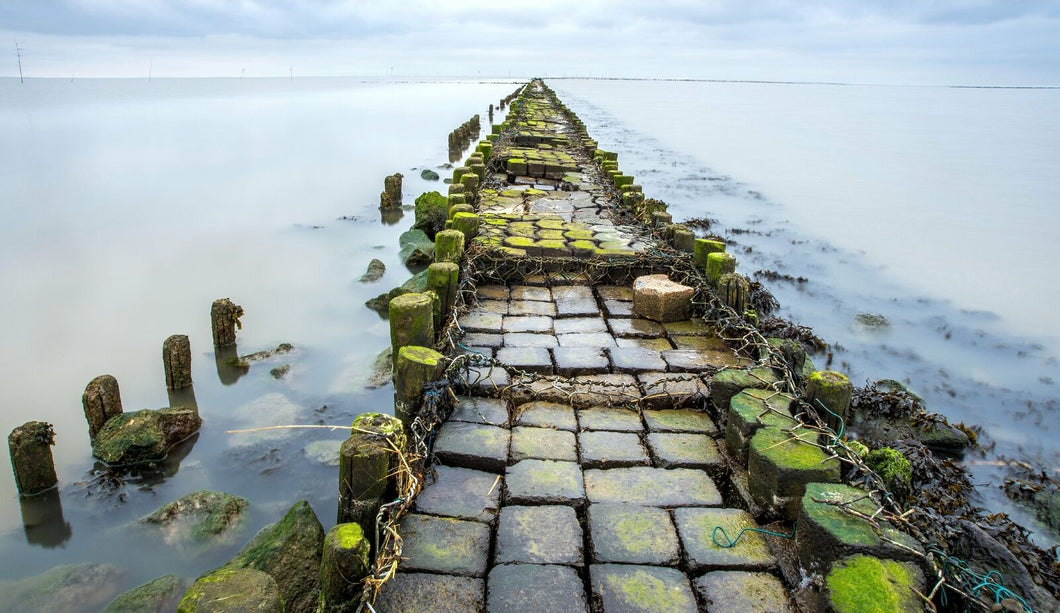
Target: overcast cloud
(984, 42)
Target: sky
(919, 42)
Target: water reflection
(184, 397)
(229, 367)
(43, 520)
(391, 217)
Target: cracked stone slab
(604, 449)
(591, 339)
(421, 593)
(530, 588)
(681, 450)
(579, 325)
(696, 529)
(546, 415)
(530, 339)
(679, 420)
(444, 545)
(574, 361)
(636, 328)
(748, 592)
(632, 534)
(664, 390)
(530, 359)
(539, 535)
(618, 419)
(543, 444)
(628, 588)
(462, 493)
(635, 360)
(531, 307)
(476, 446)
(478, 321)
(534, 482)
(526, 323)
(660, 487)
(490, 411)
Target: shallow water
(933, 207)
(129, 207)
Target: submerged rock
(67, 588)
(233, 589)
(417, 249)
(289, 551)
(280, 371)
(382, 370)
(432, 211)
(325, 452)
(200, 516)
(145, 435)
(159, 596)
(375, 271)
(429, 175)
(264, 355)
(870, 322)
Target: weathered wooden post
(468, 223)
(414, 367)
(411, 321)
(367, 460)
(343, 564)
(734, 290)
(718, 264)
(392, 188)
(833, 390)
(101, 401)
(684, 239)
(224, 318)
(30, 446)
(443, 279)
(449, 246)
(176, 360)
(705, 247)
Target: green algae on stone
(201, 516)
(780, 464)
(467, 223)
(417, 248)
(750, 410)
(432, 210)
(624, 587)
(344, 563)
(893, 467)
(289, 551)
(145, 435)
(67, 587)
(233, 589)
(718, 264)
(727, 383)
(412, 320)
(158, 596)
(863, 584)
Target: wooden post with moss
(367, 461)
(684, 239)
(343, 564)
(468, 223)
(392, 189)
(449, 246)
(834, 390)
(719, 263)
(30, 446)
(224, 320)
(414, 367)
(705, 247)
(101, 401)
(411, 321)
(176, 361)
(734, 290)
(443, 279)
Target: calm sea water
(128, 207)
(934, 207)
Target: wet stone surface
(743, 591)
(661, 487)
(531, 482)
(543, 444)
(602, 449)
(461, 493)
(633, 535)
(618, 419)
(574, 361)
(474, 446)
(535, 587)
(546, 415)
(676, 450)
(539, 535)
(489, 411)
(421, 592)
(696, 528)
(444, 545)
(625, 588)
(679, 420)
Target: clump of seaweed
(776, 327)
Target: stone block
(534, 482)
(493, 292)
(679, 420)
(696, 527)
(545, 414)
(543, 444)
(618, 308)
(604, 449)
(531, 307)
(574, 361)
(663, 389)
(490, 411)
(616, 419)
(635, 360)
(530, 339)
(579, 325)
(780, 464)
(661, 487)
(527, 323)
(690, 327)
(688, 360)
(444, 545)
(527, 292)
(535, 587)
(530, 359)
(421, 592)
(628, 588)
(482, 380)
(461, 493)
(481, 321)
(727, 383)
(631, 534)
(658, 298)
(636, 328)
(750, 410)
(655, 344)
(747, 592)
(615, 292)
(475, 446)
(483, 339)
(681, 450)
(590, 339)
(539, 535)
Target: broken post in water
(101, 401)
(30, 446)
(176, 360)
(224, 320)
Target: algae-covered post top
(224, 319)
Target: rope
(992, 581)
(732, 542)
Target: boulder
(432, 211)
(159, 596)
(200, 517)
(289, 551)
(429, 175)
(143, 436)
(375, 271)
(68, 588)
(233, 589)
(417, 249)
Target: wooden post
(224, 319)
(30, 446)
(705, 247)
(411, 321)
(414, 367)
(684, 239)
(449, 246)
(392, 188)
(443, 279)
(467, 223)
(101, 401)
(343, 564)
(176, 360)
(718, 264)
(734, 290)
(366, 462)
(832, 389)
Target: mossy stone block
(677, 487)
(144, 435)
(459, 172)
(833, 390)
(685, 450)
(543, 444)
(233, 589)
(158, 596)
(781, 463)
(718, 264)
(632, 534)
(697, 530)
(444, 545)
(546, 534)
(684, 239)
(461, 493)
(542, 587)
(864, 584)
(728, 383)
(703, 248)
(629, 588)
(544, 482)
(422, 592)
(750, 410)
(744, 591)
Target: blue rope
(732, 542)
(992, 581)
(842, 424)
(469, 349)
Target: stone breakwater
(622, 436)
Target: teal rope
(842, 424)
(992, 581)
(732, 542)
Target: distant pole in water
(292, 73)
(18, 52)
(150, 69)
(241, 73)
